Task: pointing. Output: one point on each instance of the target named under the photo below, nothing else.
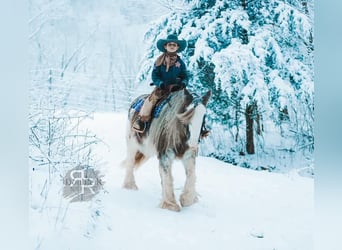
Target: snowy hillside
(238, 209)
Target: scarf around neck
(168, 59)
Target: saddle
(136, 106)
(138, 103)
(162, 97)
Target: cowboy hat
(169, 39)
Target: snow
(238, 209)
(78, 61)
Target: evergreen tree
(248, 52)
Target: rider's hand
(162, 86)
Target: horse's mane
(170, 130)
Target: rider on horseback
(169, 74)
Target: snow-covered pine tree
(251, 54)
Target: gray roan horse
(173, 135)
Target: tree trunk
(237, 126)
(244, 4)
(249, 129)
(259, 129)
(305, 7)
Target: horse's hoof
(130, 185)
(186, 200)
(171, 206)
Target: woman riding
(169, 74)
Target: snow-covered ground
(238, 209)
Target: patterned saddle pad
(156, 110)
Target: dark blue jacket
(178, 70)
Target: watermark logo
(82, 183)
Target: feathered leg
(189, 196)
(165, 166)
(134, 158)
(129, 182)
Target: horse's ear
(186, 92)
(206, 97)
(188, 97)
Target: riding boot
(140, 124)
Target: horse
(174, 134)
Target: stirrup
(141, 124)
